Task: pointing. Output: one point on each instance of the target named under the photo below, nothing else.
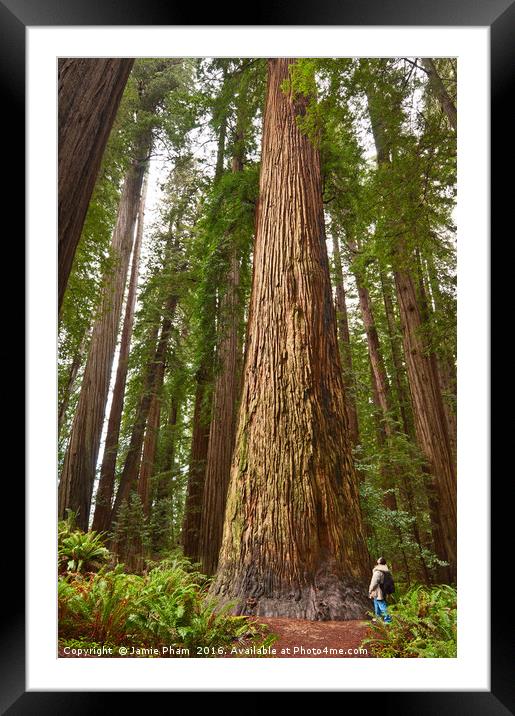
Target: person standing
(381, 585)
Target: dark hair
(381, 560)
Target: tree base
(330, 599)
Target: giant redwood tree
(89, 92)
(293, 541)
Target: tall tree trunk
(89, 94)
(293, 542)
(152, 385)
(425, 316)
(446, 364)
(428, 410)
(223, 418)
(72, 375)
(197, 469)
(78, 475)
(406, 415)
(398, 367)
(105, 491)
(430, 421)
(381, 394)
(163, 486)
(375, 355)
(344, 336)
(149, 453)
(441, 93)
(162, 511)
(190, 533)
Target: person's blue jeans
(381, 610)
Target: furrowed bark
(293, 542)
(89, 94)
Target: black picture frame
(499, 15)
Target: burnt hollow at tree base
(326, 598)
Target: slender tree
(105, 491)
(152, 385)
(197, 466)
(148, 457)
(344, 338)
(203, 378)
(428, 410)
(396, 351)
(440, 92)
(223, 419)
(155, 79)
(293, 541)
(77, 478)
(162, 513)
(68, 387)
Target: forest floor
(296, 638)
(299, 638)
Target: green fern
(423, 625)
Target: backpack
(387, 585)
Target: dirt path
(302, 639)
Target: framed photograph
(258, 353)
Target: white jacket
(374, 590)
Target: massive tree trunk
(151, 386)
(293, 542)
(344, 336)
(223, 417)
(105, 491)
(90, 91)
(78, 475)
(441, 93)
